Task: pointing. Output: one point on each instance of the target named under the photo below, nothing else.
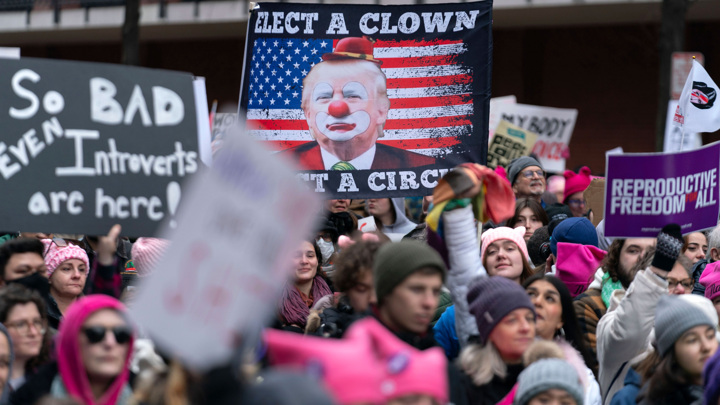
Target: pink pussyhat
(710, 278)
(516, 235)
(405, 370)
(348, 367)
(577, 264)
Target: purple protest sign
(646, 191)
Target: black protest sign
(88, 145)
(369, 100)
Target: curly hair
(612, 260)
(353, 262)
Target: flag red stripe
(433, 122)
(417, 62)
(430, 101)
(403, 144)
(414, 82)
(392, 43)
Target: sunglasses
(96, 334)
(61, 243)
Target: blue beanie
(577, 230)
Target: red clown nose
(338, 108)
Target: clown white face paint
(339, 124)
(346, 105)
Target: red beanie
(576, 182)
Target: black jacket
(492, 392)
(36, 387)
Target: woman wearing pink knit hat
(575, 185)
(67, 270)
(504, 253)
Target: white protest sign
(367, 224)
(203, 120)
(554, 127)
(493, 117)
(9, 53)
(673, 133)
(230, 256)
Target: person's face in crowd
(418, 399)
(104, 342)
(342, 103)
(503, 258)
(24, 264)
(679, 282)
(576, 202)
(529, 220)
(362, 295)
(411, 304)
(306, 263)
(514, 334)
(530, 182)
(632, 251)
(336, 206)
(380, 207)
(26, 329)
(4, 361)
(694, 348)
(697, 247)
(548, 308)
(68, 280)
(553, 396)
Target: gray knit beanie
(675, 315)
(490, 299)
(517, 164)
(394, 262)
(547, 374)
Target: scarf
(292, 307)
(608, 286)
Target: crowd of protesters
(503, 292)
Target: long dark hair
(569, 318)
(535, 207)
(663, 376)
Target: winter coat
(624, 331)
(445, 335)
(628, 393)
(589, 309)
(494, 391)
(697, 271)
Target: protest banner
(229, 257)
(88, 145)
(370, 100)
(554, 127)
(646, 191)
(595, 197)
(509, 142)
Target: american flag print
(430, 91)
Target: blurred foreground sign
(230, 254)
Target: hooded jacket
(402, 225)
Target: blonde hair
(482, 363)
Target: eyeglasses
(576, 203)
(24, 326)
(96, 334)
(528, 174)
(686, 283)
